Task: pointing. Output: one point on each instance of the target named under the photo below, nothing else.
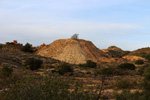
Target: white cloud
(23, 7)
(70, 28)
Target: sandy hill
(114, 51)
(73, 51)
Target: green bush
(147, 56)
(141, 70)
(27, 48)
(143, 95)
(33, 63)
(105, 71)
(47, 87)
(63, 68)
(145, 84)
(127, 95)
(90, 64)
(128, 66)
(124, 84)
(139, 62)
(6, 71)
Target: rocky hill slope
(73, 51)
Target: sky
(123, 23)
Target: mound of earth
(133, 58)
(74, 51)
(114, 51)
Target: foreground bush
(6, 71)
(143, 95)
(139, 62)
(141, 70)
(33, 63)
(125, 84)
(63, 68)
(45, 88)
(127, 95)
(145, 84)
(147, 56)
(105, 71)
(128, 66)
(89, 64)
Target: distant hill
(141, 51)
(73, 51)
(114, 51)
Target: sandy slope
(73, 51)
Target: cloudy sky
(124, 23)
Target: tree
(75, 36)
(27, 48)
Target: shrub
(141, 70)
(127, 95)
(105, 71)
(124, 84)
(33, 63)
(1, 46)
(139, 62)
(6, 71)
(47, 87)
(63, 68)
(128, 66)
(147, 56)
(145, 84)
(27, 48)
(90, 64)
(143, 95)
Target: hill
(141, 51)
(13, 55)
(73, 51)
(114, 51)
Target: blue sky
(124, 23)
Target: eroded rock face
(73, 51)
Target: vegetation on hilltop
(27, 48)
(143, 52)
